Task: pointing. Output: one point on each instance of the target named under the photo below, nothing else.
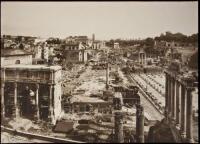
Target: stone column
(183, 110)
(166, 95)
(119, 127)
(37, 102)
(50, 117)
(140, 124)
(16, 111)
(139, 58)
(2, 99)
(143, 58)
(107, 75)
(189, 126)
(72, 108)
(52, 76)
(173, 100)
(169, 95)
(177, 104)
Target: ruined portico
(142, 57)
(179, 105)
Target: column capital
(37, 86)
(178, 83)
(183, 85)
(15, 84)
(183, 110)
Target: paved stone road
(149, 108)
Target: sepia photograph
(99, 72)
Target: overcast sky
(105, 19)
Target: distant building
(15, 56)
(42, 53)
(82, 39)
(38, 52)
(51, 51)
(80, 104)
(7, 43)
(116, 45)
(96, 45)
(138, 56)
(76, 52)
(103, 44)
(39, 40)
(159, 44)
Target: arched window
(17, 62)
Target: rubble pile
(22, 124)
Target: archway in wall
(27, 99)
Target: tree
(149, 41)
(178, 37)
(193, 62)
(193, 38)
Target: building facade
(76, 53)
(15, 56)
(116, 45)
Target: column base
(183, 134)
(172, 120)
(37, 114)
(16, 113)
(2, 112)
(141, 139)
(190, 140)
(178, 126)
(166, 120)
(36, 118)
(49, 119)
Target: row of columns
(178, 108)
(2, 100)
(16, 108)
(142, 58)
